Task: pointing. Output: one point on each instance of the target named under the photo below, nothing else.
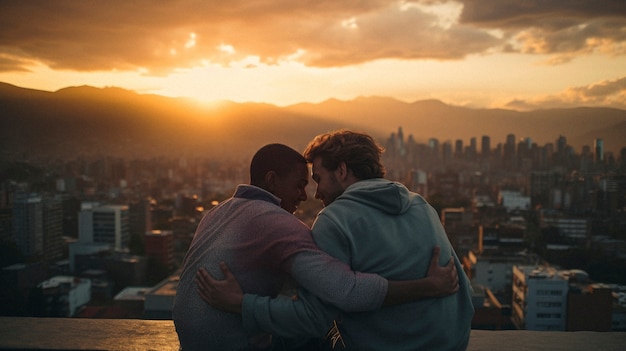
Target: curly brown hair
(358, 150)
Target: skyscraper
(485, 147)
(52, 228)
(458, 148)
(28, 223)
(509, 157)
(561, 144)
(472, 149)
(599, 149)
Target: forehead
(301, 171)
(317, 162)
(317, 167)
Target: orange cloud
(608, 93)
(158, 37)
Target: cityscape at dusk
(506, 204)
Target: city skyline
(536, 209)
(504, 54)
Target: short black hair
(273, 157)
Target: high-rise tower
(599, 150)
(28, 223)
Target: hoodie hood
(385, 195)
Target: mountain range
(88, 121)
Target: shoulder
(278, 219)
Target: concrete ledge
(527, 340)
(86, 334)
(17, 333)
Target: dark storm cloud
(530, 13)
(562, 27)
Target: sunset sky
(518, 54)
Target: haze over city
(517, 55)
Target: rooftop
(27, 333)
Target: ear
(342, 171)
(270, 181)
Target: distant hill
(111, 121)
(80, 121)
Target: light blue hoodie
(378, 226)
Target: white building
(539, 298)
(106, 224)
(492, 271)
(66, 294)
